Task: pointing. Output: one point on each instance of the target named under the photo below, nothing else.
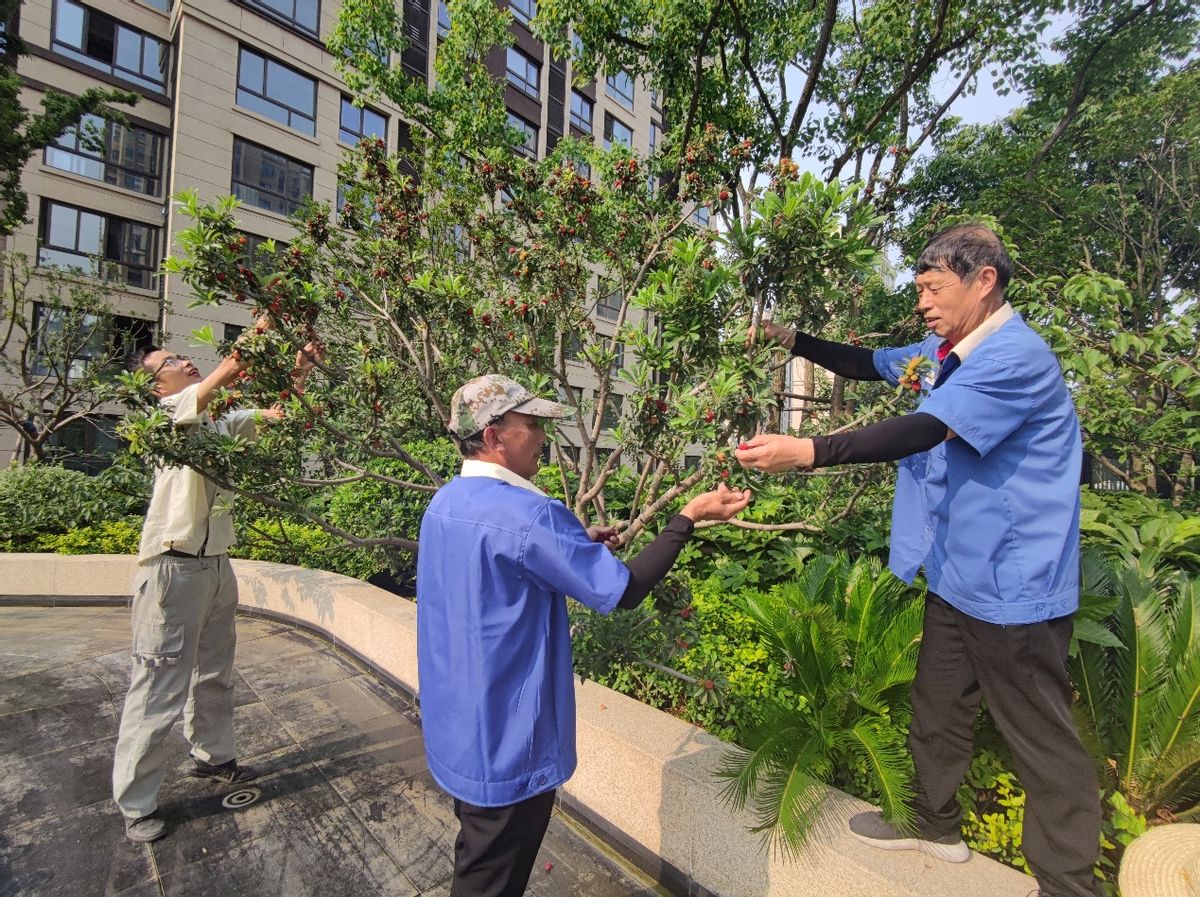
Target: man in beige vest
(184, 601)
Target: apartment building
(241, 97)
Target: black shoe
(145, 829)
(229, 773)
(871, 828)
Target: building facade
(241, 97)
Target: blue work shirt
(493, 643)
(993, 514)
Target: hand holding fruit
(775, 453)
(720, 504)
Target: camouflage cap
(480, 401)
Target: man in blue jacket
(498, 558)
(987, 502)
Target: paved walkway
(346, 806)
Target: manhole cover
(241, 798)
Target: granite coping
(644, 780)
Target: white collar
(472, 467)
(990, 325)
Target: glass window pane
(374, 125)
(63, 222)
(68, 23)
(250, 73)
(290, 88)
(91, 233)
(129, 49)
(306, 13)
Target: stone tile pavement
(346, 806)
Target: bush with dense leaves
(37, 500)
(302, 545)
(377, 508)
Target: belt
(173, 553)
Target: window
(103, 43)
(523, 73)
(257, 253)
(164, 5)
(276, 91)
(581, 112)
(616, 131)
(655, 100)
(302, 14)
(700, 216)
(90, 337)
(443, 25)
(620, 88)
(414, 58)
(126, 156)
(576, 44)
(99, 245)
(608, 305)
(573, 351)
(529, 146)
(461, 241)
(269, 180)
(87, 445)
(359, 123)
(618, 359)
(523, 10)
(655, 139)
(233, 331)
(611, 413)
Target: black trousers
(1022, 673)
(496, 846)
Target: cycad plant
(1141, 701)
(849, 634)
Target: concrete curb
(645, 778)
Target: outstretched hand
(308, 357)
(606, 534)
(776, 333)
(775, 453)
(721, 504)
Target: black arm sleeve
(888, 440)
(852, 362)
(653, 561)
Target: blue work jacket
(496, 563)
(992, 515)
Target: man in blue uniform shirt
(498, 558)
(987, 502)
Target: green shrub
(377, 509)
(994, 810)
(106, 537)
(36, 499)
(304, 545)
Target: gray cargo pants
(183, 644)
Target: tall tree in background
(1094, 184)
(23, 133)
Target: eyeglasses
(173, 362)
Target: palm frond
(887, 765)
(1175, 717)
(1092, 677)
(790, 795)
(1142, 625)
(1173, 784)
(772, 744)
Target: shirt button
(541, 780)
